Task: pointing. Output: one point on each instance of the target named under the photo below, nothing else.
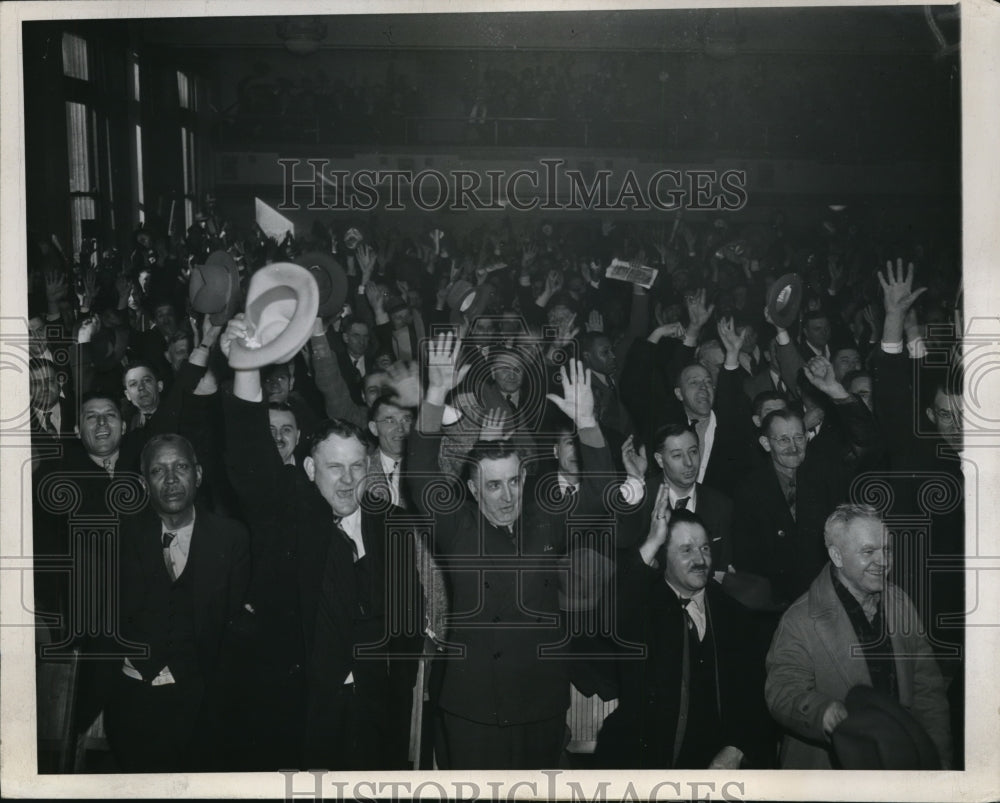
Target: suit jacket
(220, 559)
(759, 382)
(810, 664)
(641, 732)
(768, 541)
(502, 615)
(67, 420)
(301, 563)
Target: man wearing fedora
(853, 627)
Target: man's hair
(586, 340)
(384, 400)
(684, 516)
(815, 314)
(180, 334)
(685, 367)
(672, 430)
(268, 370)
(338, 427)
(350, 321)
(283, 407)
(763, 398)
(843, 516)
(166, 439)
(491, 450)
(140, 364)
(774, 415)
(90, 395)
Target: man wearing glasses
(780, 508)
(390, 425)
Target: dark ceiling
(842, 29)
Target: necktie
(353, 544)
(392, 473)
(47, 424)
(106, 464)
(790, 496)
(167, 539)
(569, 492)
(687, 615)
(511, 402)
(611, 384)
(682, 504)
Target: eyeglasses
(784, 440)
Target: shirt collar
(183, 533)
(698, 598)
(565, 483)
(692, 497)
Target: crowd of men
(412, 543)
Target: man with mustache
(779, 509)
(834, 638)
(696, 699)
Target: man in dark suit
(53, 410)
(183, 577)
(678, 455)
(598, 355)
(696, 700)
(352, 345)
(334, 593)
(502, 704)
(390, 425)
(780, 508)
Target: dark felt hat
(879, 734)
(331, 280)
(783, 300)
(214, 288)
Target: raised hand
(634, 460)
(820, 373)
(55, 286)
(493, 423)
(89, 290)
(443, 373)
(553, 282)
(366, 258)
(595, 322)
(727, 334)
(577, 401)
(404, 380)
(836, 271)
(566, 331)
(209, 332)
(698, 312)
(123, 286)
(658, 521)
(88, 328)
(375, 296)
(236, 329)
(898, 295)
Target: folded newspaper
(625, 272)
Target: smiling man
(336, 602)
(835, 637)
(696, 700)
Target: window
(74, 52)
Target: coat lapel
(836, 634)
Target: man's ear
(372, 428)
(658, 458)
(76, 430)
(931, 415)
(473, 489)
(765, 443)
(197, 476)
(835, 557)
(310, 466)
(677, 393)
(756, 420)
(159, 386)
(298, 437)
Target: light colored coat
(815, 659)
